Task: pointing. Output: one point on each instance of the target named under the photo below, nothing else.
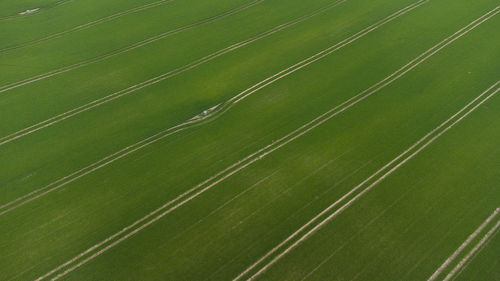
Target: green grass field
(250, 140)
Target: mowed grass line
(466, 243)
(111, 97)
(111, 209)
(484, 263)
(478, 247)
(440, 209)
(107, 259)
(257, 157)
(66, 91)
(328, 214)
(125, 49)
(206, 235)
(87, 25)
(20, 201)
(260, 65)
(96, 41)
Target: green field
(250, 140)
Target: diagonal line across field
(480, 245)
(87, 25)
(460, 249)
(134, 46)
(189, 195)
(325, 216)
(132, 89)
(210, 117)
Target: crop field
(250, 140)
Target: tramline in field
(249, 140)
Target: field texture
(250, 140)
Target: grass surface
(402, 229)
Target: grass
(403, 229)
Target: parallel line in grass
(224, 176)
(86, 25)
(460, 249)
(296, 211)
(321, 54)
(22, 200)
(319, 221)
(132, 89)
(363, 228)
(479, 246)
(414, 244)
(134, 46)
(261, 206)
